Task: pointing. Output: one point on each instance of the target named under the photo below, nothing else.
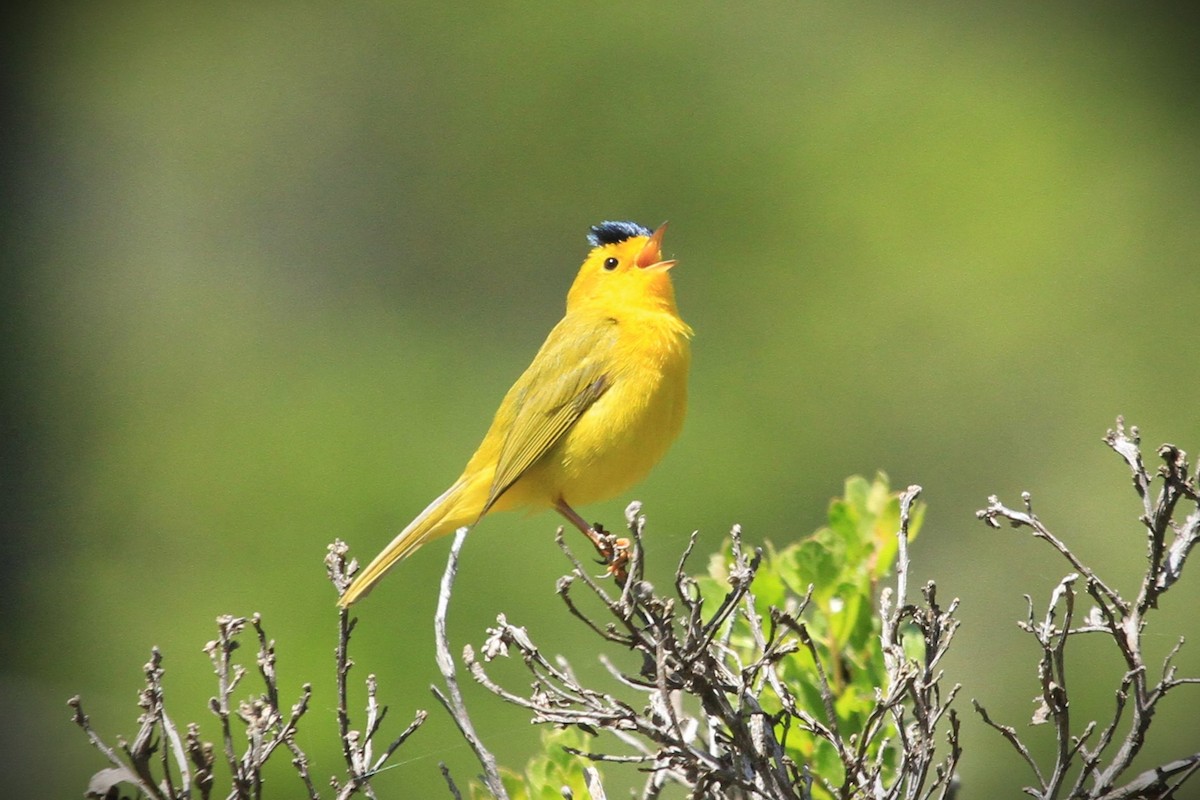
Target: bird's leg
(613, 551)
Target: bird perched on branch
(599, 406)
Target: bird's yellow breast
(616, 442)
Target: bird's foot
(619, 560)
(613, 551)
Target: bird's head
(625, 267)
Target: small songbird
(599, 406)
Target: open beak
(651, 254)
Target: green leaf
(845, 526)
(827, 764)
(887, 526)
(913, 644)
(814, 561)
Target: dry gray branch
(163, 765)
(357, 746)
(1100, 769)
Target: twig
(457, 795)
(1010, 734)
(119, 772)
(357, 747)
(452, 700)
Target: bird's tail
(452, 510)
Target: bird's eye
(611, 263)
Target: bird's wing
(570, 373)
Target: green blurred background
(271, 267)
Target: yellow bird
(599, 406)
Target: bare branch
(1123, 623)
(452, 700)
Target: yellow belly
(617, 441)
